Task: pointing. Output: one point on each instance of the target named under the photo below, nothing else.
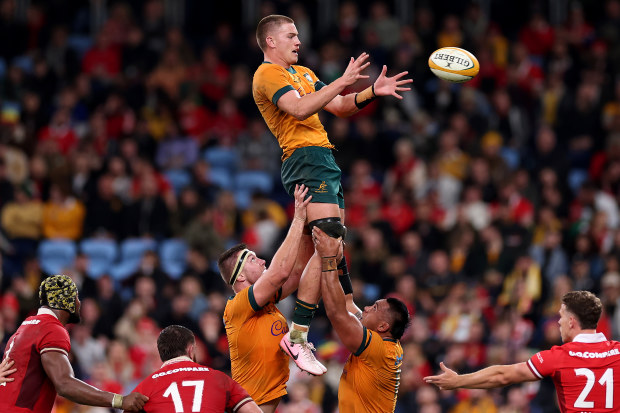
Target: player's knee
(331, 226)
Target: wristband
(363, 98)
(345, 283)
(329, 264)
(117, 401)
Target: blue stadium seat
(220, 157)
(242, 198)
(511, 157)
(101, 253)
(24, 62)
(254, 181)
(178, 178)
(576, 178)
(172, 253)
(132, 251)
(80, 44)
(221, 177)
(56, 254)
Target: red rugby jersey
(586, 373)
(32, 390)
(182, 385)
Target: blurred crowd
(479, 204)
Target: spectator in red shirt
(58, 136)
(103, 59)
(523, 72)
(538, 36)
(195, 120)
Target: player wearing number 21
(585, 369)
(182, 385)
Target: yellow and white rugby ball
(453, 64)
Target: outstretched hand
(445, 381)
(386, 86)
(354, 70)
(300, 203)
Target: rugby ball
(453, 64)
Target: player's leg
(309, 290)
(314, 167)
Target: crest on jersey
(308, 77)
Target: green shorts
(315, 167)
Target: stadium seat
(576, 178)
(511, 157)
(178, 178)
(132, 251)
(249, 182)
(56, 254)
(24, 62)
(101, 253)
(254, 181)
(221, 177)
(172, 253)
(242, 198)
(220, 157)
(80, 44)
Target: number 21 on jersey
(607, 380)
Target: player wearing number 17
(585, 369)
(182, 385)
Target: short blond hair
(266, 26)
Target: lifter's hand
(300, 203)
(5, 370)
(353, 72)
(325, 245)
(386, 86)
(134, 402)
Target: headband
(239, 265)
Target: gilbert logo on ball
(453, 64)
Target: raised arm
(282, 263)
(302, 107)
(60, 372)
(348, 327)
(306, 250)
(489, 378)
(343, 106)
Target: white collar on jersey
(590, 338)
(47, 311)
(176, 360)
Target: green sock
(304, 312)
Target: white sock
(297, 334)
